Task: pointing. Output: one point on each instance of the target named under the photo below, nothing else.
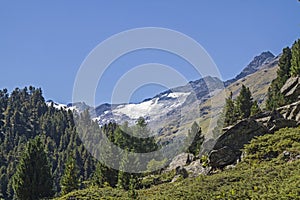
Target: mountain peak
(264, 58)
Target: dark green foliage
(258, 176)
(255, 109)
(195, 139)
(32, 179)
(275, 99)
(284, 70)
(244, 103)
(295, 61)
(70, 179)
(123, 176)
(271, 146)
(25, 115)
(127, 138)
(132, 193)
(230, 111)
(240, 108)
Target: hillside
(258, 84)
(258, 176)
(61, 151)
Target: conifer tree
(230, 111)
(195, 139)
(123, 176)
(255, 108)
(284, 63)
(274, 97)
(70, 178)
(244, 103)
(295, 61)
(32, 179)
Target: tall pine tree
(70, 178)
(244, 103)
(230, 111)
(32, 179)
(274, 97)
(295, 61)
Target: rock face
(180, 161)
(196, 168)
(291, 111)
(274, 120)
(240, 134)
(227, 148)
(291, 88)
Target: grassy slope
(263, 174)
(258, 84)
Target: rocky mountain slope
(171, 113)
(256, 64)
(173, 110)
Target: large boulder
(195, 169)
(223, 157)
(180, 161)
(283, 123)
(291, 111)
(267, 118)
(240, 134)
(291, 88)
(227, 148)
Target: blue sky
(43, 43)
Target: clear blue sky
(43, 43)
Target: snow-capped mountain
(174, 106)
(151, 109)
(61, 106)
(169, 111)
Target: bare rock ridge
(257, 63)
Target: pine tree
(274, 97)
(244, 103)
(255, 108)
(32, 179)
(284, 70)
(230, 111)
(195, 139)
(123, 176)
(295, 61)
(70, 178)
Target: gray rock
(207, 147)
(291, 88)
(291, 111)
(240, 134)
(227, 149)
(195, 169)
(283, 123)
(222, 157)
(180, 161)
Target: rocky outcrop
(274, 120)
(180, 161)
(227, 148)
(291, 88)
(195, 169)
(291, 111)
(223, 157)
